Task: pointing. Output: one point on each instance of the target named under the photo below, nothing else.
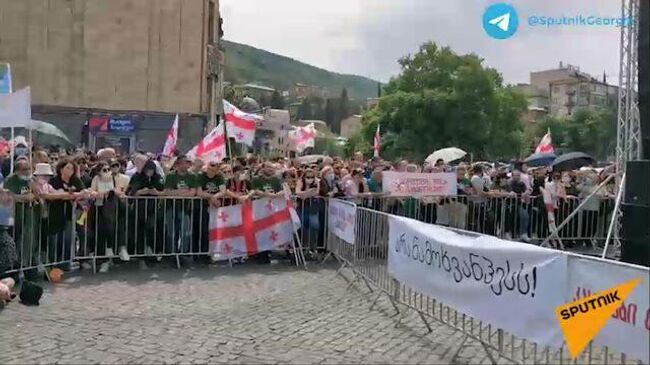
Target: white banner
(629, 328)
(412, 183)
(342, 219)
(510, 285)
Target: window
(211, 23)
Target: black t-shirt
(518, 187)
(60, 212)
(141, 181)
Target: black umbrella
(540, 159)
(572, 161)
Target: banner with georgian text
(510, 285)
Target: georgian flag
(248, 228)
(172, 137)
(377, 144)
(240, 125)
(546, 144)
(212, 147)
(303, 137)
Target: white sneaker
(124, 254)
(104, 266)
(508, 236)
(524, 237)
(86, 265)
(109, 252)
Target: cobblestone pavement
(245, 314)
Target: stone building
(135, 63)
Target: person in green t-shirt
(180, 184)
(211, 187)
(26, 214)
(267, 183)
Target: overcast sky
(366, 37)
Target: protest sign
(510, 285)
(342, 219)
(412, 183)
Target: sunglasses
(115, 166)
(105, 170)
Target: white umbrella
(448, 154)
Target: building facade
(569, 90)
(301, 91)
(350, 126)
(137, 60)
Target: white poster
(513, 286)
(342, 219)
(412, 183)
(629, 328)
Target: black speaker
(636, 234)
(636, 182)
(635, 247)
(644, 82)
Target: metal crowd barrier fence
(62, 233)
(367, 260)
(506, 217)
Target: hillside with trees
(246, 64)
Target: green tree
(330, 112)
(592, 132)
(304, 110)
(277, 101)
(343, 111)
(441, 99)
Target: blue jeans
(178, 231)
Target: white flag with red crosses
(248, 228)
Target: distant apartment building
(537, 102)
(132, 64)
(569, 90)
(272, 132)
(255, 91)
(302, 91)
(350, 126)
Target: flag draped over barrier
(240, 125)
(248, 228)
(172, 137)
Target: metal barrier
(367, 259)
(94, 231)
(506, 217)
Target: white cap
(43, 169)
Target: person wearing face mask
(143, 185)
(105, 215)
(20, 184)
(311, 209)
(327, 185)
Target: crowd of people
(111, 206)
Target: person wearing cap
(180, 184)
(26, 222)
